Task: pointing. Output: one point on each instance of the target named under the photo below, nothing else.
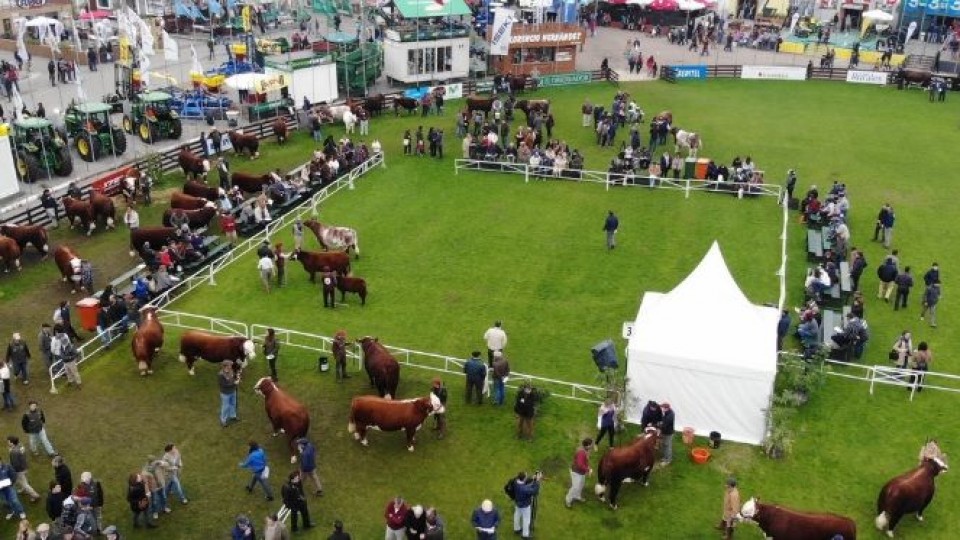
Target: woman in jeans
(606, 421)
(139, 500)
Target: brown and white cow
(77, 210)
(148, 340)
(195, 218)
(343, 238)
(199, 189)
(10, 253)
(187, 202)
(626, 464)
(786, 524)
(28, 234)
(314, 262)
(103, 208)
(280, 130)
(286, 414)
(194, 167)
(388, 415)
(912, 491)
(382, 368)
(68, 261)
(215, 349)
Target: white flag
(501, 32)
(171, 52)
(195, 64)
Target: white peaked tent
(708, 351)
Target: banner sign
(781, 73)
(271, 82)
(111, 183)
(868, 77)
(558, 37)
(502, 31)
(689, 72)
(932, 8)
(565, 79)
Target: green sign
(564, 79)
(483, 87)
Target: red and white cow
(343, 238)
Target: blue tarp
(215, 8)
(188, 10)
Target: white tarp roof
(708, 351)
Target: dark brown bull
(356, 285)
(374, 104)
(194, 167)
(148, 340)
(286, 414)
(103, 209)
(786, 524)
(196, 218)
(77, 210)
(518, 83)
(529, 106)
(633, 461)
(199, 189)
(388, 415)
(910, 492)
(408, 104)
(68, 261)
(10, 253)
(187, 202)
(35, 235)
(280, 130)
(250, 183)
(157, 237)
(314, 261)
(916, 76)
(475, 103)
(382, 368)
(245, 144)
(215, 348)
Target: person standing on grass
(888, 222)
(274, 529)
(610, 227)
(904, 282)
(731, 508)
(887, 274)
(328, 284)
(265, 266)
(395, 516)
(256, 463)
(438, 399)
(606, 421)
(308, 463)
(501, 372)
(33, 423)
(7, 387)
(296, 501)
(18, 355)
(243, 529)
(227, 381)
(173, 464)
(485, 521)
(18, 462)
(339, 349)
(8, 494)
(579, 472)
(476, 372)
(281, 262)
(666, 433)
(858, 263)
(496, 340)
(338, 533)
(932, 276)
(525, 492)
(66, 352)
(271, 348)
(931, 297)
(525, 409)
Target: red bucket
(700, 455)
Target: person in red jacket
(396, 515)
(228, 224)
(579, 472)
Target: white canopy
(878, 15)
(708, 351)
(245, 81)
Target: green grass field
(444, 255)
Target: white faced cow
(343, 238)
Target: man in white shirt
(265, 265)
(496, 340)
(132, 218)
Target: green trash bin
(690, 168)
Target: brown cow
(103, 207)
(286, 414)
(68, 262)
(10, 253)
(529, 106)
(147, 341)
(28, 234)
(633, 461)
(194, 167)
(334, 237)
(382, 368)
(786, 524)
(280, 130)
(215, 348)
(408, 104)
(910, 492)
(157, 237)
(388, 415)
(199, 189)
(475, 103)
(250, 183)
(245, 144)
(354, 285)
(314, 261)
(196, 218)
(187, 202)
(78, 210)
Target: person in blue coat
(525, 492)
(256, 463)
(485, 521)
(7, 492)
(308, 462)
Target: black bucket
(323, 365)
(715, 439)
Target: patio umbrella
(639, 2)
(689, 5)
(878, 15)
(664, 5)
(94, 15)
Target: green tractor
(39, 150)
(152, 119)
(93, 135)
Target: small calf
(354, 285)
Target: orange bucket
(700, 455)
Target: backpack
(510, 488)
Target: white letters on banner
(867, 77)
(783, 73)
(502, 32)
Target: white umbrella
(878, 15)
(43, 21)
(244, 81)
(689, 5)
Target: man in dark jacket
(651, 416)
(49, 205)
(525, 493)
(904, 281)
(783, 328)
(857, 266)
(295, 501)
(881, 218)
(887, 273)
(308, 463)
(18, 354)
(18, 462)
(610, 226)
(476, 373)
(62, 474)
(932, 276)
(666, 433)
(525, 409)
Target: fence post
(526, 174)
(212, 274)
(687, 196)
(608, 182)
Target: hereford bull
(68, 262)
(250, 183)
(215, 349)
(194, 167)
(382, 368)
(245, 144)
(35, 235)
(626, 464)
(148, 340)
(103, 208)
(199, 189)
(77, 210)
(912, 491)
(343, 238)
(187, 202)
(10, 253)
(356, 285)
(196, 218)
(786, 524)
(286, 414)
(280, 130)
(388, 415)
(157, 237)
(315, 261)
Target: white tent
(708, 351)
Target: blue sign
(946, 8)
(689, 72)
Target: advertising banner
(779, 73)
(932, 8)
(868, 77)
(564, 79)
(689, 72)
(502, 32)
